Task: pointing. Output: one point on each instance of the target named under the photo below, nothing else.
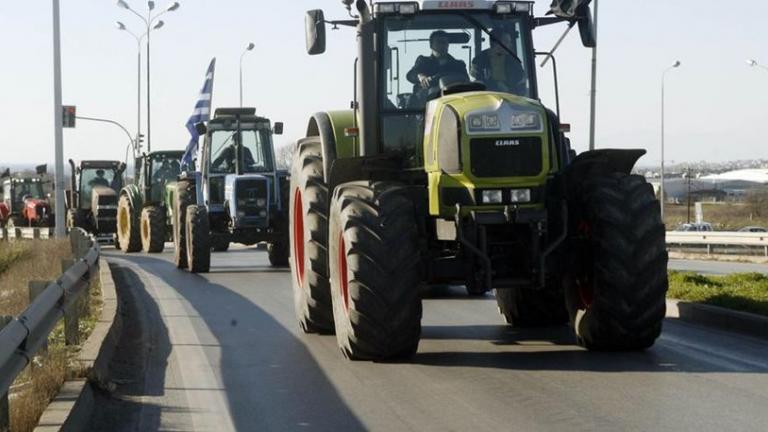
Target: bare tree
(285, 156)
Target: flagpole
(593, 94)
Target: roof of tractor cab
(226, 115)
(524, 6)
(173, 153)
(99, 164)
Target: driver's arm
(418, 68)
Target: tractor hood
(489, 113)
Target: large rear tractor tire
(309, 239)
(525, 307)
(185, 196)
(616, 289)
(153, 229)
(198, 239)
(128, 226)
(375, 271)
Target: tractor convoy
(447, 179)
(447, 170)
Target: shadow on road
(271, 380)
(139, 362)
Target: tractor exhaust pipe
(367, 103)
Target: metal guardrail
(718, 238)
(8, 234)
(22, 337)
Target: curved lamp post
(661, 188)
(247, 49)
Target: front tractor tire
(527, 307)
(375, 271)
(616, 293)
(153, 229)
(128, 226)
(309, 239)
(198, 239)
(278, 254)
(185, 196)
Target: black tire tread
(526, 307)
(630, 265)
(198, 239)
(184, 198)
(313, 303)
(377, 221)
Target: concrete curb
(72, 408)
(719, 318)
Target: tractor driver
(499, 69)
(225, 162)
(428, 70)
(99, 180)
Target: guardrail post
(5, 234)
(72, 315)
(35, 289)
(17, 234)
(5, 412)
(35, 233)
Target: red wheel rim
(343, 280)
(298, 237)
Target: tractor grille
(248, 193)
(506, 157)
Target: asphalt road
(223, 352)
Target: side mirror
(278, 128)
(201, 129)
(315, 32)
(586, 27)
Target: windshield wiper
(485, 30)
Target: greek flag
(567, 8)
(202, 113)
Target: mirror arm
(559, 41)
(345, 23)
(545, 21)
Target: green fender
(134, 196)
(329, 127)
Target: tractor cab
(158, 170)
(239, 165)
(92, 201)
(24, 202)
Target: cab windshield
(163, 170)
(256, 150)
(27, 189)
(91, 178)
(424, 52)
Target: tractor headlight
(492, 197)
(263, 213)
(241, 214)
(484, 122)
(241, 203)
(261, 202)
(520, 195)
(525, 121)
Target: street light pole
(593, 109)
(61, 229)
(148, 22)
(661, 187)
(248, 48)
(137, 143)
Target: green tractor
(144, 217)
(446, 179)
(236, 196)
(92, 198)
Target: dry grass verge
(747, 292)
(39, 383)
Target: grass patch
(39, 383)
(746, 292)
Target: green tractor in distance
(144, 217)
(92, 198)
(237, 195)
(447, 179)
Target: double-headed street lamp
(754, 63)
(661, 187)
(248, 48)
(152, 23)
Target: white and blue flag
(202, 113)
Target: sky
(714, 101)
